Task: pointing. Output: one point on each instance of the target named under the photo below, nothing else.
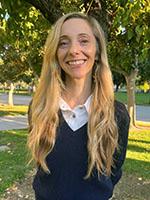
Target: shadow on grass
(142, 141)
(137, 148)
(12, 113)
(139, 167)
(13, 136)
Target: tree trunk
(10, 95)
(130, 80)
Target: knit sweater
(68, 165)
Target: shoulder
(123, 123)
(121, 113)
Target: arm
(123, 122)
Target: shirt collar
(64, 106)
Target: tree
(21, 47)
(127, 22)
(126, 27)
(52, 10)
(128, 43)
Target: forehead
(75, 26)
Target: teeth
(76, 62)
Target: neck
(77, 91)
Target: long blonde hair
(44, 120)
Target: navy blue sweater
(68, 165)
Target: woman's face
(77, 49)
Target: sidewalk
(20, 121)
(13, 122)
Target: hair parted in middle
(102, 128)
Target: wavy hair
(44, 119)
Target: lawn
(140, 98)
(138, 154)
(13, 110)
(13, 163)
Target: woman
(78, 133)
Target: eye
(63, 44)
(84, 42)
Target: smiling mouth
(76, 62)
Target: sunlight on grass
(138, 153)
(141, 123)
(142, 156)
(21, 133)
(13, 110)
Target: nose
(74, 48)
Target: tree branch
(48, 8)
(120, 71)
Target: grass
(13, 163)
(138, 154)
(143, 124)
(140, 98)
(17, 92)
(13, 110)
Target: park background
(24, 26)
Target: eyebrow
(80, 34)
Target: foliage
(23, 36)
(145, 87)
(128, 29)
(118, 80)
(50, 9)
(129, 35)
(24, 31)
(129, 44)
(71, 5)
(126, 24)
(144, 70)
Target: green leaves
(24, 30)
(130, 32)
(23, 36)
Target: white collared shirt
(77, 116)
